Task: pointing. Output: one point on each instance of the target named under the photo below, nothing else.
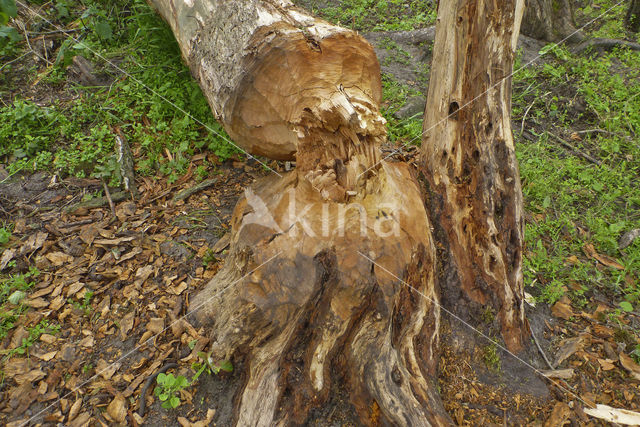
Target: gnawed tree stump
(331, 274)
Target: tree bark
(332, 268)
(469, 158)
(550, 20)
(310, 293)
(632, 19)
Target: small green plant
(83, 305)
(34, 334)
(491, 358)
(8, 34)
(209, 365)
(209, 258)
(5, 235)
(168, 389)
(635, 354)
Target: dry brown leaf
(114, 242)
(614, 415)
(559, 416)
(29, 377)
(142, 274)
(178, 289)
(568, 348)
(59, 258)
(628, 238)
(562, 310)
(48, 338)
(47, 356)
(82, 420)
(75, 409)
(106, 369)
(156, 325)
(630, 365)
(126, 324)
(74, 288)
(7, 256)
(34, 242)
(117, 409)
(590, 251)
(57, 303)
(37, 303)
(607, 364)
(87, 342)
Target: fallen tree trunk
(331, 273)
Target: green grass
(572, 200)
(76, 136)
(376, 15)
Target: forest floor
(92, 295)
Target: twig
(525, 116)
(575, 150)
(544, 356)
(108, 196)
(580, 132)
(26, 37)
(196, 188)
(13, 60)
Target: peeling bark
(469, 158)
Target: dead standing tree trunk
(469, 158)
(309, 294)
(550, 20)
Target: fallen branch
(196, 188)
(604, 44)
(98, 202)
(575, 150)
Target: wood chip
(564, 374)
(614, 415)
